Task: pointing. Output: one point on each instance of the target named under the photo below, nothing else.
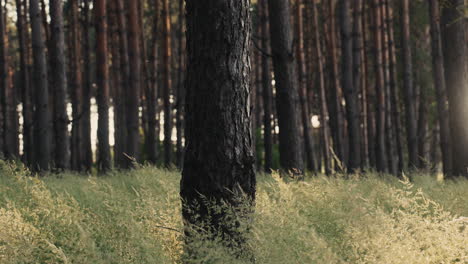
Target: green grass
(134, 217)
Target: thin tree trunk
(423, 128)
(76, 88)
(180, 88)
(104, 159)
(219, 162)
(3, 85)
(455, 52)
(266, 89)
(167, 87)
(381, 155)
(87, 152)
(350, 90)
(441, 89)
(411, 128)
(42, 114)
(133, 97)
(302, 87)
(24, 84)
(323, 101)
(59, 85)
(286, 87)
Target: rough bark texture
(104, 159)
(440, 85)
(59, 85)
(167, 83)
(350, 91)
(133, 96)
(290, 144)
(42, 125)
(456, 75)
(219, 163)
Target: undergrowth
(134, 217)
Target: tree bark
(302, 87)
(76, 88)
(133, 103)
(167, 87)
(59, 85)
(441, 89)
(41, 114)
(219, 162)
(104, 159)
(381, 155)
(24, 84)
(3, 85)
(323, 100)
(87, 152)
(456, 75)
(286, 87)
(180, 89)
(411, 128)
(350, 91)
(267, 92)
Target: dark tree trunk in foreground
(441, 90)
(24, 83)
(59, 85)
(133, 124)
(290, 144)
(42, 120)
(351, 92)
(267, 93)
(104, 159)
(456, 75)
(219, 163)
(167, 83)
(410, 114)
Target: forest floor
(134, 217)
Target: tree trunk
(286, 88)
(381, 155)
(76, 88)
(133, 97)
(219, 163)
(302, 87)
(104, 159)
(3, 85)
(180, 88)
(41, 114)
(323, 100)
(267, 93)
(167, 87)
(423, 128)
(411, 128)
(25, 84)
(441, 89)
(87, 152)
(350, 91)
(336, 113)
(59, 85)
(456, 75)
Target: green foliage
(134, 217)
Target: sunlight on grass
(134, 217)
